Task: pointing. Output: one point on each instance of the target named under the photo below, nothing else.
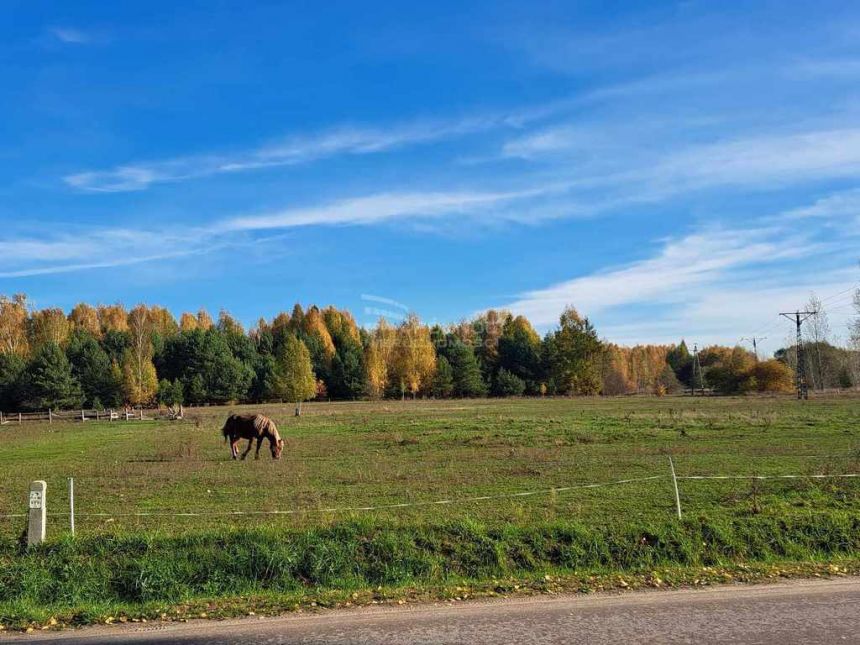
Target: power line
(835, 295)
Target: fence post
(83, 418)
(141, 414)
(36, 525)
(50, 416)
(19, 418)
(675, 483)
(72, 505)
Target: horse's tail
(225, 431)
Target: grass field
(352, 455)
(342, 455)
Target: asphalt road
(798, 612)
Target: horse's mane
(265, 426)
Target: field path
(824, 611)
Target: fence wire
(440, 502)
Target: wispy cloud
(67, 252)
(642, 169)
(293, 151)
(699, 285)
(686, 263)
(71, 35)
(380, 207)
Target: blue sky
(679, 169)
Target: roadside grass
(354, 455)
(103, 578)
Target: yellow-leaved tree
(113, 318)
(138, 372)
(294, 378)
(13, 325)
(187, 322)
(85, 317)
(414, 356)
(204, 320)
(49, 326)
(378, 359)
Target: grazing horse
(251, 427)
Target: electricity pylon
(799, 317)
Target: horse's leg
(259, 443)
(234, 447)
(248, 449)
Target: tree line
(108, 356)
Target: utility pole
(754, 340)
(697, 368)
(799, 317)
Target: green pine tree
(443, 380)
(48, 381)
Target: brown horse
(251, 427)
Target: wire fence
(444, 501)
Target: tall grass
(354, 555)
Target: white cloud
(843, 205)
(378, 208)
(759, 161)
(70, 35)
(293, 151)
(699, 286)
(697, 259)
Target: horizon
(672, 170)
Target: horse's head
(277, 447)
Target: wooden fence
(108, 414)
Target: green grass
(345, 455)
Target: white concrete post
(72, 504)
(50, 416)
(36, 526)
(675, 482)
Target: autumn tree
(187, 322)
(139, 380)
(86, 318)
(379, 359)
(772, 376)
(414, 356)
(227, 324)
(139, 377)
(294, 378)
(13, 325)
(204, 320)
(112, 318)
(161, 321)
(49, 326)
